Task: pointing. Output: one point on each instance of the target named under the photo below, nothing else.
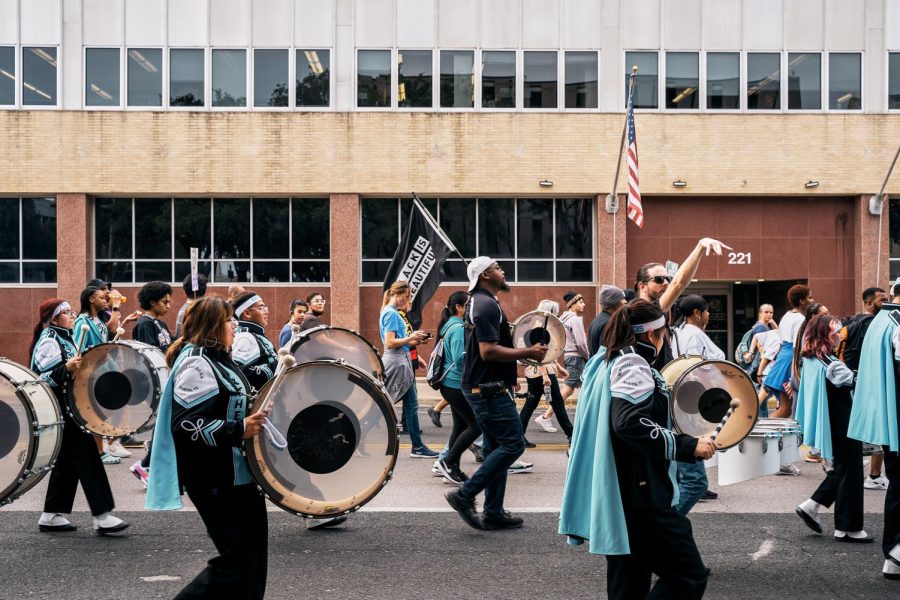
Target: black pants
(535, 391)
(235, 519)
(465, 429)
(662, 542)
(843, 485)
(78, 461)
(891, 535)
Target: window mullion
(172, 239)
(133, 245)
(22, 242)
(252, 253)
(553, 236)
(212, 241)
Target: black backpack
(437, 368)
(854, 331)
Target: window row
(28, 243)
(535, 239)
(753, 81)
(261, 240)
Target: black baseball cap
(99, 283)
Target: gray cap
(610, 296)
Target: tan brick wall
(434, 153)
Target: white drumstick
(286, 362)
(119, 333)
(731, 408)
(84, 330)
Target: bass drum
(30, 430)
(341, 436)
(117, 389)
(333, 343)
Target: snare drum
(539, 327)
(333, 343)
(117, 389)
(791, 437)
(30, 430)
(757, 455)
(341, 436)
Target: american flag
(635, 210)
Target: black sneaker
(131, 442)
(465, 508)
(445, 469)
(530, 444)
(710, 495)
(459, 474)
(504, 521)
(435, 417)
(478, 452)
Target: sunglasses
(660, 279)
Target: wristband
(115, 309)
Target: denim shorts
(574, 365)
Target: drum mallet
(84, 330)
(119, 332)
(281, 354)
(731, 408)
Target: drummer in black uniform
(252, 351)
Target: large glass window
(414, 78)
(373, 78)
(581, 79)
(894, 80)
(28, 243)
(844, 81)
(541, 80)
(313, 69)
(646, 82)
(457, 79)
(101, 77)
(804, 72)
(498, 79)
(144, 77)
(723, 80)
(535, 239)
(270, 78)
(257, 240)
(7, 75)
(229, 78)
(682, 80)
(763, 81)
(186, 79)
(39, 76)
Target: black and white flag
(419, 259)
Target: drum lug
(765, 445)
(780, 444)
(741, 447)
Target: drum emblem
(22, 456)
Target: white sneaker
(114, 448)
(520, 467)
(788, 470)
(54, 522)
(547, 424)
(879, 483)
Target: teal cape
(812, 407)
(592, 503)
(94, 334)
(874, 415)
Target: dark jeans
(662, 542)
(843, 485)
(535, 391)
(465, 428)
(692, 485)
(235, 519)
(891, 536)
(503, 444)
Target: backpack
(437, 368)
(852, 334)
(743, 347)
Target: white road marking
(154, 578)
(765, 549)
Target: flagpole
(612, 204)
(418, 202)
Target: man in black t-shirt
(488, 381)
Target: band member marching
(620, 489)
(252, 351)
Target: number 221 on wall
(740, 258)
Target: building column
(866, 247)
(611, 259)
(345, 265)
(73, 242)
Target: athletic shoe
(788, 470)
(317, 524)
(519, 467)
(140, 473)
(423, 452)
(891, 570)
(130, 441)
(813, 458)
(451, 473)
(812, 520)
(478, 451)
(547, 424)
(109, 459)
(530, 444)
(435, 470)
(116, 449)
(504, 521)
(108, 523)
(465, 508)
(435, 417)
(876, 483)
(710, 495)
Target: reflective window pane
(541, 81)
(229, 78)
(844, 87)
(39, 228)
(7, 75)
(804, 81)
(457, 79)
(152, 229)
(570, 270)
(193, 222)
(112, 228)
(498, 79)
(231, 228)
(581, 80)
(406, 207)
(229, 271)
(144, 77)
(270, 229)
(39, 272)
(646, 82)
(723, 80)
(313, 77)
(152, 271)
(39, 76)
(375, 270)
(496, 234)
(115, 271)
(894, 80)
(454, 271)
(101, 77)
(311, 220)
(271, 271)
(373, 78)
(186, 77)
(534, 223)
(183, 269)
(9, 225)
(763, 81)
(574, 228)
(458, 222)
(534, 270)
(9, 272)
(379, 227)
(682, 80)
(270, 78)
(313, 272)
(414, 74)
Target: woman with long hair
(824, 403)
(200, 428)
(55, 357)
(620, 485)
(778, 379)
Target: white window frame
(826, 104)
(21, 77)
(562, 86)
(207, 75)
(248, 70)
(23, 261)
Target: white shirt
(789, 326)
(690, 339)
(771, 348)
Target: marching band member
(620, 489)
(200, 427)
(55, 358)
(823, 409)
(252, 351)
(875, 417)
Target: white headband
(63, 306)
(246, 304)
(651, 326)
